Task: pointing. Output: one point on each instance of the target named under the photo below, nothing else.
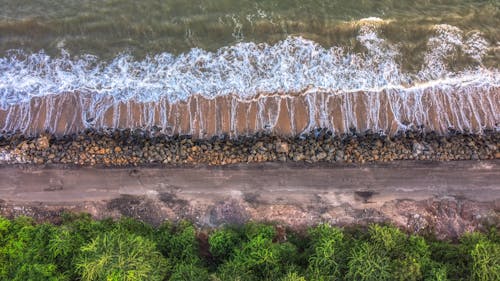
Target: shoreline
(146, 148)
(469, 108)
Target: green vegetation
(84, 249)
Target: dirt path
(451, 196)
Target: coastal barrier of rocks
(150, 147)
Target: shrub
(437, 272)
(414, 261)
(463, 264)
(366, 264)
(293, 276)
(38, 272)
(4, 228)
(25, 253)
(387, 239)
(409, 254)
(232, 270)
(121, 256)
(135, 227)
(486, 261)
(162, 236)
(64, 248)
(223, 243)
(84, 228)
(259, 258)
(453, 261)
(252, 230)
(76, 230)
(328, 253)
(85, 249)
(189, 272)
(180, 246)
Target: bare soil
(444, 198)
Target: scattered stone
(42, 142)
(321, 156)
(339, 155)
(282, 147)
(135, 147)
(418, 148)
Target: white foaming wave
(245, 69)
(448, 40)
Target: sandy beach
(286, 114)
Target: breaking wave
(248, 70)
(245, 69)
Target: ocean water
(238, 67)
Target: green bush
(389, 240)
(121, 256)
(4, 228)
(136, 227)
(367, 264)
(85, 249)
(232, 270)
(75, 231)
(223, 243)
(260, 258)
(409, 255)
(84, 228)
(180, 243)
(328, 253)
(437, 272)
(25, 252)
(293, 276)
(163, 236)
(453, 262)
(189, 272)
(463, 264)
(486, 261)
(253, 229)
(414, 261)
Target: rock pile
(140, 147)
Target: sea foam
(249, 70)
(245, 69)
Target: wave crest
(245, 69)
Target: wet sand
(285, 114)
(447, 198)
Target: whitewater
(207, 93)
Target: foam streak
(292, 86)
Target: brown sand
(289, 114)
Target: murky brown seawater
(108, 27)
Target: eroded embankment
(444, 198)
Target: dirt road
(451, 197)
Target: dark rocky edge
(148, 147)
